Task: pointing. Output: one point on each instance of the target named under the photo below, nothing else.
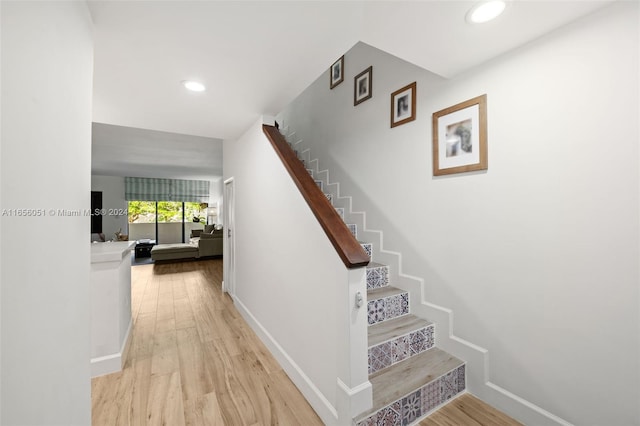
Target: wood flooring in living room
(194, 361)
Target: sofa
(202, 243)
(208, 241)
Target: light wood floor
(194, 361)
(467, 410)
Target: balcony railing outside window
(165, 221)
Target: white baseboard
(327, 412)
(356, 401)
(114, 362)
(478, 373)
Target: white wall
(281, 289)
(46, 142)
(113, 201)
(1, 207)
(215, 199)
(538, 256)
(1, 204)
(215, 191)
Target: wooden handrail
(348, 248)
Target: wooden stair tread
(386, 291)
(402, 378)
(390, 329)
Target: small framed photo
(362, 86)
(403, 105)
(460, 137)
(336, 73)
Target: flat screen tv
(96, 206)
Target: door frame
(229, 249)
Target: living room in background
(165, 210)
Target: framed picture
(460, 137)
(403, 105)
(336, 73)
(362, 85)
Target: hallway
(193, 360)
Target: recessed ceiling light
(194, 86)
(486, 11)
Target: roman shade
(156, 189)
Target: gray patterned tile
(405, 303)
(376, 311)
(372, 420)
(421, 340)
(462, 380)
(388, 417)
(411, 407)
(448, 385)
(396, 406)
(430, 396)
(400, 349)
(368, 248)
(396, 306)
(392, 307)
(381, 356)
(418, 341)
(353, 228)
(429, 334)
(377, 277)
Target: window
(142, 220)
(165, 221)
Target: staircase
(409, 375)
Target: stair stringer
(478, 375)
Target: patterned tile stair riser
(393, 351)
(377, 275)
(386, 308)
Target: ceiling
(130, 151)
(255, 57)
